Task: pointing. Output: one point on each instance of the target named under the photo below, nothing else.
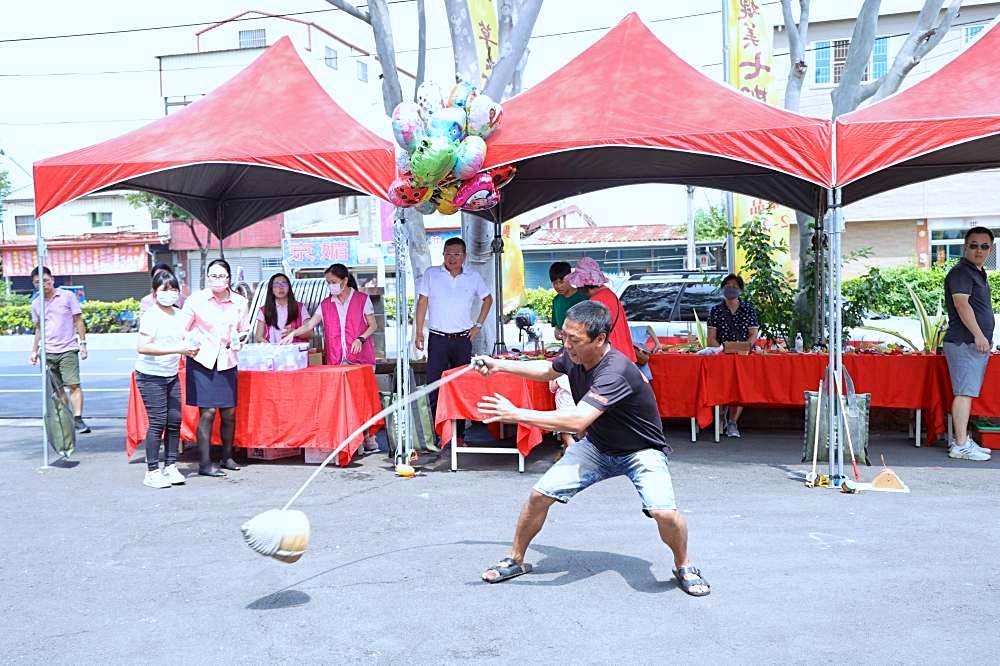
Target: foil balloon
(478, 193)
(427, 207)
(449, 123)
(444, 199)
(502, 175)
(430, 100)
(407, 126)
(403, 192)
(431, 160)
(469, 157)
(402, 162)
(462, 94)
(484, 116)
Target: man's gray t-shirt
(630, 420)
(965, 278)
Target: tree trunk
(513, 51)
(463, 42)
(850, 92)
(478, 236)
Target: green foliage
(539, 300)
(886, 290)
(98, 316)
(768, 288)
(994, 279)
(390, 307)
(711, 224)
(5, 186)
(7, 297)
(159, 209)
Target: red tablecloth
(458, 400)
(316, 407)
(688, 385)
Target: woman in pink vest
(281, 312)
(348, 319)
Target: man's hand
(34, 357)
(487, 365)
(83, 351)
(190, 350)
(497, 409)
(982, 344)
(418, 340)
(356, 346)
(474, 332)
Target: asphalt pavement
(99, 569)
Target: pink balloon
(477, 193)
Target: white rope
(373, 420)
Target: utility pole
(692, 259)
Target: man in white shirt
(446, 298)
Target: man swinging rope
(616, 410)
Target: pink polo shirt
(215, 324)
(60, 334)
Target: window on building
(24, 225)
(362, 71)
(948, 245)
(270, 263)
(252, 39)
(347, 206)
(830, 59)
(330, 59)
(971, 32)
(100, 220)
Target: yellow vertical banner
(751, 71)
(513, 266)
(487, 35)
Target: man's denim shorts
(584, 465)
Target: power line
(122, 31)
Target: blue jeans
(584, 464)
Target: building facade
(921, 224)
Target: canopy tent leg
(42, 360)
(400, 242)
(499, 347)
(835, 352)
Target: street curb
(95, 341)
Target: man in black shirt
(968, 340)
(620, 430)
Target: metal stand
(835, 420)
(400, 242)
(42, 362)
(497, 247)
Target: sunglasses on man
(980, 246)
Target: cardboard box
(315, 358)
(271, 453)
(735, 347)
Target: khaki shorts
(65, 366)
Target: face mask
(167, 298)
(335, 288)
(731, 293)
(218, 284)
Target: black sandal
(507, 568)
(687, 583)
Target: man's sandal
(507, 568)
(685, 583)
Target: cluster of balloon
(442, 147)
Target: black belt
(453, 336)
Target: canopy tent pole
(834, 332)
(499, 347)
(40, 250)
(400, 242)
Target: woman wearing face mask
(218, 323)
(281, 312)
(733, 320)
(348, 319)
(161, 343)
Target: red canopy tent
(268, 140)
(946, 124)
(629, 110)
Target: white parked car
(667, 301)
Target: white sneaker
(156, 479)
(971, 442)
(967, 451)
(732, 430)
(173, 475)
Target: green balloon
(432, 160)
